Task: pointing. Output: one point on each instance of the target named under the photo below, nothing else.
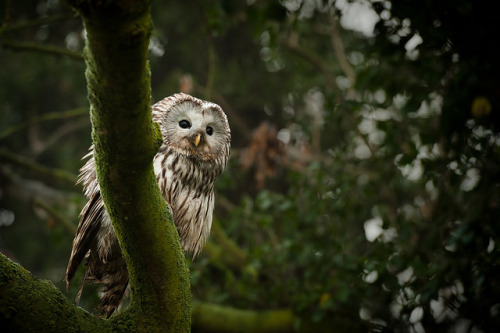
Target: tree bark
(220, 319)
(125, 142)
(28, 304)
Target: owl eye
(210, 130)
(184, 124)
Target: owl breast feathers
(194, 152)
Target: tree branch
(45, 49)
(223, 250)
(43, 118)
(233, 117)
(21, 295)
(338, 47)
(70, 227)
(40, 145)
(125, 142)
(317, 62)
(220, 319)
(23, 162)
(39, 21)
(215, 318)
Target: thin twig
(56, 135)
(40, 21)
(34, 47)
(43, 118)
(233, 116)
(70, 227)
(23, 162)
(28, 189)
(320, 65)
(338, 47)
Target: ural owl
(195, 151)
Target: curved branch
(21, 296)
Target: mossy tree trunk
(125, 142)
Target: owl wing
(86, 234)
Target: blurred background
(363, 185)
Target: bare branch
(233, 116)
(338, 47)
(43, 118)
(70, 227)
(27, 164)
(320, 65)
(38, 22)
(56, 135)
(44, 49)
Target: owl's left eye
(184, 124)
(210, 130)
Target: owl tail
(112, 297)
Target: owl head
(193, 127)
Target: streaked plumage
(195, 151)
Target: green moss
(216, 318)
(158, 136)
(29, 304)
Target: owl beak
(197, 139)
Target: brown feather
(86, 232)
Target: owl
(194, 152)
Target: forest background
(363, 187)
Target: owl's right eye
(184, 124)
